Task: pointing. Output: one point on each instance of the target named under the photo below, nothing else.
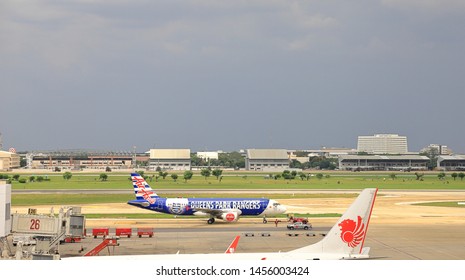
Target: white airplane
(345, 240)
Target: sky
(229, 75)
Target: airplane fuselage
(191, 206)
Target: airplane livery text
(251, 204)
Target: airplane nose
(282, 209)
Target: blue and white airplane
(227, 209)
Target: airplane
(344, 241)
(227, 209)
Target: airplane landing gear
(211, 221)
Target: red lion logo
(352, 232)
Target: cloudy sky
(212, 74)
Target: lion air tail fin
(347, 236)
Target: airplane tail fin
(347, 236)
(142, 190)
(232, 248)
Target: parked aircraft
(227, 209)
(345, 240)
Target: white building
(383, 144)
(9, 161)
(440, 149)
(208, 155)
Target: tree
(454, 175)
(187, 175)
(393, 176)
(302, 176)
(32, 178)
(295, 164)
(16, 177)
(174, 177)
(287, 175)
(197, 161)
(432, 154)
(163, 174)
(205, 172)
(441, 176)
(217, 173)
(461, 175)
(103, 177)
(319, 176)
(67, 175)
(321, 163)
(232, 160)
(419, 176)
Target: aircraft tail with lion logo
(347, 236)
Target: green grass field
(250, 181)
(444, 204)
(230, 181)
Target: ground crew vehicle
(299, 225)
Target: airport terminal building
(451, 163)
(383, 163)
(77, 160)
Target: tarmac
(399, 229)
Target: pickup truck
(299, 225)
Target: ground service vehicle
(299, 225)
(24, 239)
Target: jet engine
(229, 217)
